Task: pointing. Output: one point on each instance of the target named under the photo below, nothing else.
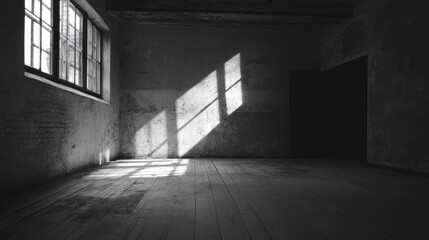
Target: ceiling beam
(182, 12)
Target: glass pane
(27, 42)
(94, 35)
(71, 15)
(94, 51)
(46, 62)
(63, 17)
(36, 8)
(70, 75)
(36, 34)
(36, 57)
(72, 34)
(46, 15)
(89, 32)
(98, 77)
(98, 46)
(29, 5)
(88, 76)
(91, 82)
(78, 79)
(61, 65)
(89, 49)
(46, 39)
(70, 54)
(79, 28)
(71, 63)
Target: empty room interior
(214, 119)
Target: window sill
(63, 87)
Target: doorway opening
(328, 112)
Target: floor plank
(223, 199)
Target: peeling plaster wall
(45, 131)
(160, 64)
(394, 36)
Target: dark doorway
(328, 112)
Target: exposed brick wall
(46, 131)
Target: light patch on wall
(196, 113)
(152, 137)
(233, 87)
(196, 99)
(198, 128)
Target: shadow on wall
(180, 126)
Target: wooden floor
(223, 199)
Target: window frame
(54, 77)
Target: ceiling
(232, 12)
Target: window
(38, 35)
(93, 58)
(62, 44)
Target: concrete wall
(209, 91)
(394, 36)
(46, 131)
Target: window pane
(70, 76)
(36, 34)
(98, 46)
(88, 75)
(63, 59)
(63, 17)
(90, 78)
(71, 15)
(78, 79)
(79, 28)
(27, 42)
(29, 5)
(94, 38)
(46, 50)
(98, 77)
(46, 62)
(36, 8)
(71, 63)
(89, 37)
(94, 51)
(89, 32)
(46, 39)
(36, 57)
(46, 14)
